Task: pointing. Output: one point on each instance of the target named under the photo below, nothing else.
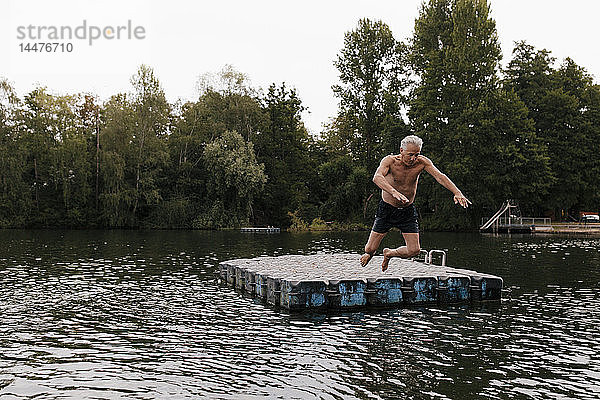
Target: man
(397, 176)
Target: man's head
(410, 149)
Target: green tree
(226, 102)
(35, 120)
(530, 75)
(71, 166)
(15, 202)
(472, 129)
(134, 152)
(590, 199)
(89, 114)
(372, 93)
(456, 56)
(563, 104)
(58, 164)
(571, 143)
(229, 103)
(236, 178)
(516, 164)
(372, 80)
(184, 186)
(116, 158)
(152, 120)
(344, 182)
(282, 146)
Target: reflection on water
(134, 314)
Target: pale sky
(270, 41)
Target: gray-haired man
(398, 176)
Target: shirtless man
(397, 176)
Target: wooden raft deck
(337, 281)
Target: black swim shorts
(388, 216)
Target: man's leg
(412, 249)
(371, 247)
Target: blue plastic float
(337, 281)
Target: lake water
(141, 315)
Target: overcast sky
(270, 41)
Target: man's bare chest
(403, 176)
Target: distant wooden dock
(337, 281)
(260, 230)
(569, 228)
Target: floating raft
(337, 281)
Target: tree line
(239, 155)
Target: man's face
(409, 155)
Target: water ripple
(108, 315)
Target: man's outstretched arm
(443, 180)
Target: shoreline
(568, 228)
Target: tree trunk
(137, 174)
(37, 200)
(97, 159)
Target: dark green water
(140, 315)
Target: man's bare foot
(365, 258)
(386, 259)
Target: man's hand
(462, 200)
(399, 196)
